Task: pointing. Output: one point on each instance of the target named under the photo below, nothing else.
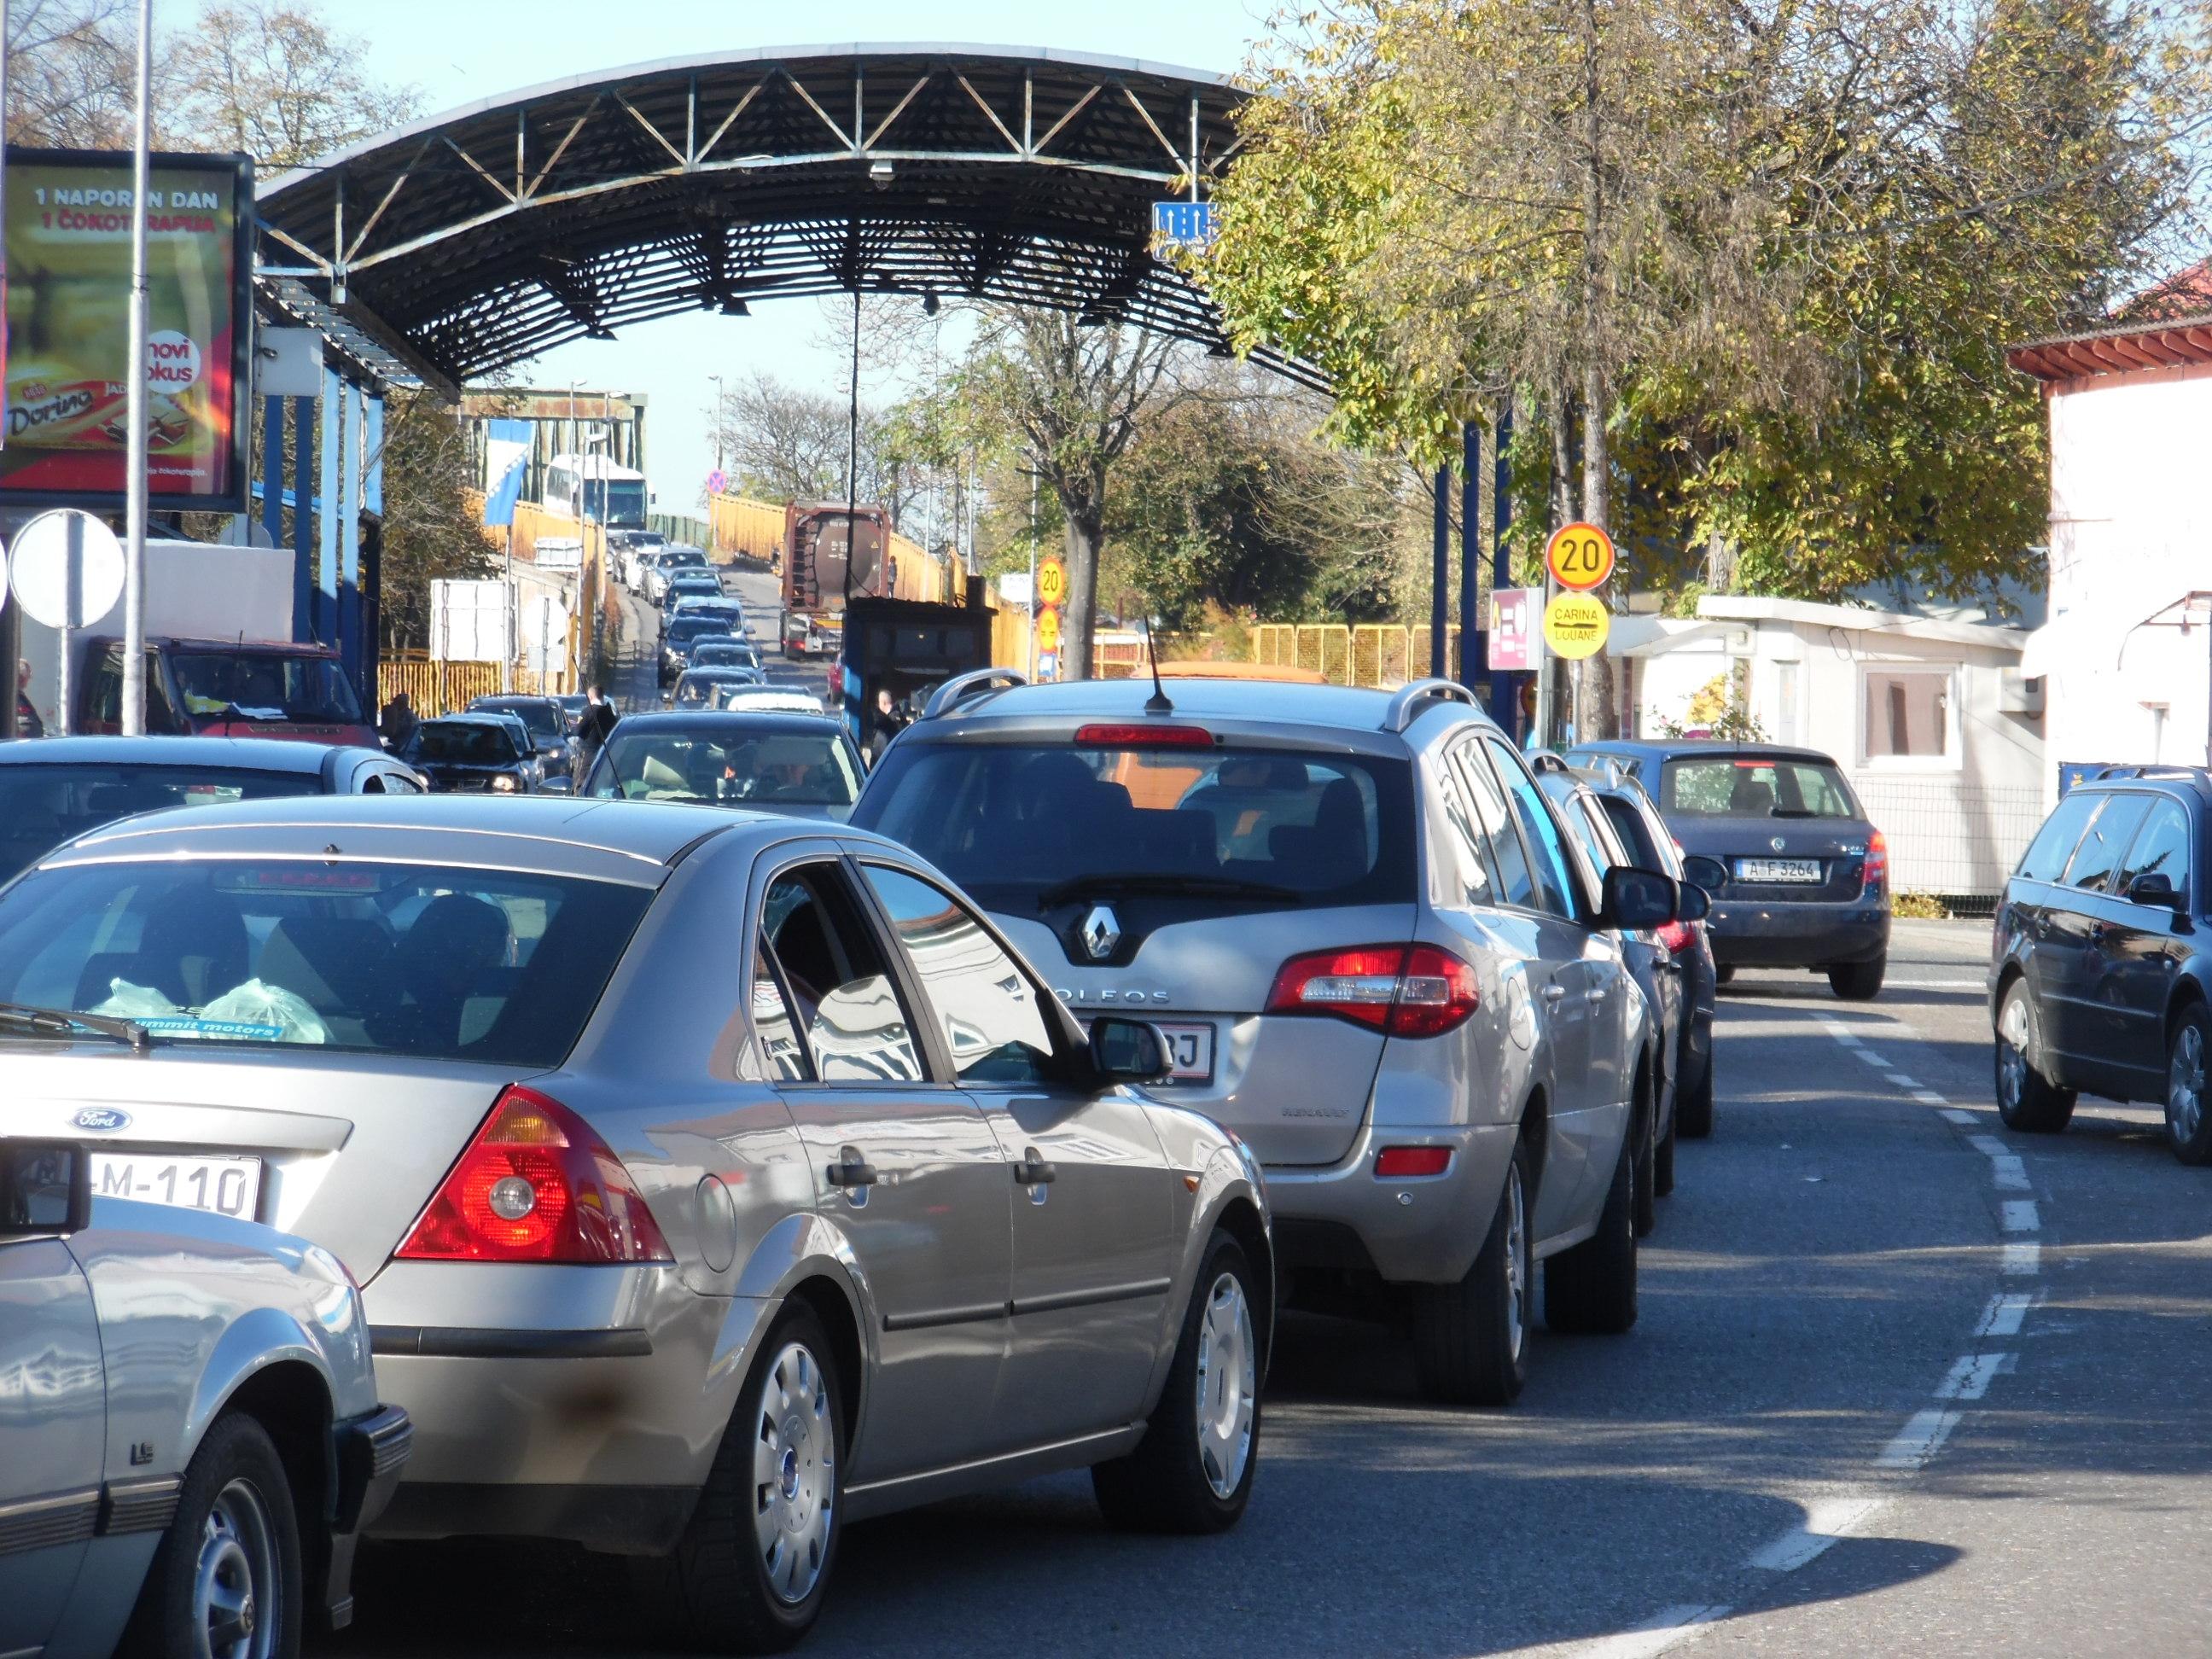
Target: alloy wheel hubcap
(2184, 1084)
(1228, 1386)
(234, 1587)
(1516, 1265)
(2012, 1050)
(794, 1473)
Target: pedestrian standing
(398, 723)
(27, 723)
(599, 721)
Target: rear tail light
(1877, 862)
(1143, 736)
(1677, 937)
(536, 1184)
(1401, 1163)
(1403, 990)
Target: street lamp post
(715, 380)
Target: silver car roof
(234, 754)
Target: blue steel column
(372, 502)
(326, 519)
(1505, 688)
(303, 521)
(1440, 578)
(347, 515)
(272, 469)
(1471, 659)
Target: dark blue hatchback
(1807, 875)
(2099, 975)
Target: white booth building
(2127, 653)
(1930, 718)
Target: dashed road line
(2021, 1259)
(1922, 1438)
(1970, 1378)
(1826, 1521)
(2005, 1313)
(1662, 1630)
(2020, 1216)
(1964, 1119)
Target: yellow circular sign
(1048, 626)
(1575, 625)
(1580, 556)
(1052, 582)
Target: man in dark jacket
(27, 723)
(599, 721)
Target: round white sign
(68, 569)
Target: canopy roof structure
(466, 242)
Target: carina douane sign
(68, 328)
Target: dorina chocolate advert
(69, 283)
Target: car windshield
(684, 558)
(264, 685)
(730, 764)
(452, 744)
(544, 720)
(412, 959)
(694, 587)
(1753, 786)
(697, 691)
(1014, 822)
(725, 653)
(43, 806)
(688, 627)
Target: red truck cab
(228, 689)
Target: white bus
(613, 496)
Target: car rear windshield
(721, 652)
(43, 806)
(1754, 786)
(544, 720)
(460, 745)
(379, 958)
(696, 626)
(1012, 822)
(736, 765)
(264, 685)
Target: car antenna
(1157, 703)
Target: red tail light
(1877, 862)
(536, 1184)
(1404, 990)
(1677, 937)
(1400, 1162)
(1143, 736)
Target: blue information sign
(1182, 224)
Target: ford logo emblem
(101, 1117)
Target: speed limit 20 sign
(1052, 583)
(1580, 556)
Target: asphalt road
(636, 685)
(1902, 1385)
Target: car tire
(1858, 981)
(1723, 975)
(724, 1587)
(2028, 1101)
(1663, 1157)
(2188, 1114)
(1647, 1174)
(1471, 1340)
(1693, 1111)
(1192, 1472)
(231, 1553)
(1591, 1289)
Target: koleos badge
(1101, 932)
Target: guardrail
(1381, 654)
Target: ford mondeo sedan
(712, 1179)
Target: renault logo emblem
(1101, 932)
(1778, 844)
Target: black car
(683, 633)
(474, 753)
(2099, 980)
(550, 730)
(59, 788)
(1806, 877)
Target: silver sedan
(713, 1179)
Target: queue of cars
(986, 1142)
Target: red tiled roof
(2166, 344)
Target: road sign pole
(134, 558)
(72, 607)
(1440, 577)
(1470, 552)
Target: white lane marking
(1989, 1146)
(1921, 1439)
(1935, 984)
(1971, 1377)
(2003, 1315)
(1826, 1521)
(1880, 1062)
(1662, 1630)
(1903, 1081)
(1929, 1098)
(2022, 1259)
(2020, 1216)
(2009, 1174)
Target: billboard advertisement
(68, 233)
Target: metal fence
(1954, 841)
(440, 687)
(1357, 653)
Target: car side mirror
(46, 1188)
(2152, 887)
(1695, 904)
(1638, 898)
(1702, 872)
(1126, 1051)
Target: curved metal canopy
(469, 241)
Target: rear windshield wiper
(60, 1022)
(1193, 886)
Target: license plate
(1800, 870)
(1189, 1048)
(221, 1186)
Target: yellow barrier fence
(440, 688)
(1381, 654)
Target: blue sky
(458, 52)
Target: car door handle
(1554, 993)
(2097, 932)
(850, 1170)
(1032, 1170)
(1594, 996)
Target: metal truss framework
(466, 243)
